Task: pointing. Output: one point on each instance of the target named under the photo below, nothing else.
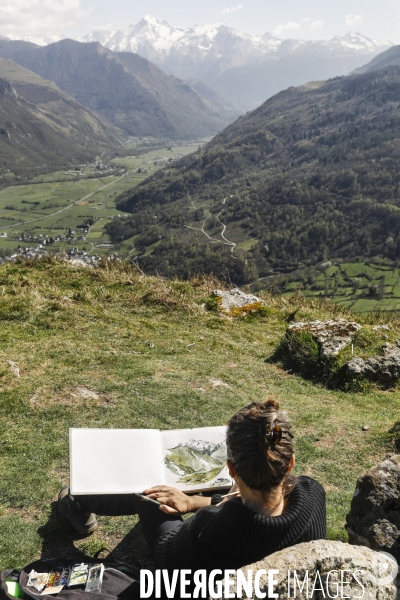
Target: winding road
(224, 240)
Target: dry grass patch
(80, 396)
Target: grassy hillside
(41, 127)
(309, 176)
(111, 347)
(125, 89)
(13, 72)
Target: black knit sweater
(231, 536)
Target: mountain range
(245, 69)
(42, 128)
(204, 447)
(312, 174)
(123, 88)
(231, 71)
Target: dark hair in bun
(260, 446)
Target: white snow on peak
(202, 446)
(40, 41)
(191, 52)
(156, 40)
(359, 43)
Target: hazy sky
(315, 19)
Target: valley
(67, 210)
(297, 172)
(281, 190)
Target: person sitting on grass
(270, 510)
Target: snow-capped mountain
(236, 71)
(203, 447)
(186, 51)
(245, 69)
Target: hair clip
(274, 435)
(268, 435)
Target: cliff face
(7, 90)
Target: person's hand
(175, 502)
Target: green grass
(68, 328)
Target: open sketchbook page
(115, 461)
(195, 459)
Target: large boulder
(374, 517)
(332, 336)
(383, 369)
(326, 564)
(235, 302)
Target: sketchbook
(124, 461)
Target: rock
(374, 517)
(365, 428)
(382, 369)
(85, 394)
(217, 382)
(355, 368)
(79, 262)
(7, 90)
(14, 368)
(319, 558)
(236, 299)
(332, 336)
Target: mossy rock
(301, 351)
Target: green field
(52, 204)
(362, 287)
(151, 354)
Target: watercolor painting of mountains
(198, 461)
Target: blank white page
(115, 461)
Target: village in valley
(64, 213)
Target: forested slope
(311, 174)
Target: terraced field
(363, 287)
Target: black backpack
(120, 581)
